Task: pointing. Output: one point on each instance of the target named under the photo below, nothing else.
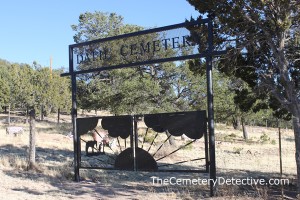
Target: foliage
(4, 89)
(24, 86)
(262, 40)
(237, 150)
(164, 87)
(264, 138)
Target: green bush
(273, 142)
(264, 138)
(237, 150)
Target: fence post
(32, 140)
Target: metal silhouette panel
(117, 126)
(192, 124)
(142, 142)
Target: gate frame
(208, 55)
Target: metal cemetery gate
(145, 149)
(147, 47)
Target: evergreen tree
(262, 38)
(5, 87)
(142, 89)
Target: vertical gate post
(210, 109)
(76, 142)
(135, 133)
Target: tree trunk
(296, 125)
(27, 113)
(58, 115)
(42, 113)
(245, 133)
(32, 138)
(236, 122)
(8, 120)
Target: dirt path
(29, 185)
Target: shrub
(264, 138)
(273, 142)
(237, 150)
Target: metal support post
(210, 109)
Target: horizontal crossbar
(202, 55)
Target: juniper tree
(262, 39)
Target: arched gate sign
(133, 149)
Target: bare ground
(257, 158)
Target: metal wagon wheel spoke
(176, 150)
(162, 145)
(152, 141)
(191, 160)
(145, 137)
(119, 144)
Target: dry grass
(15, 162)
(53, 180)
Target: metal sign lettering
(133, 51)
(165, 44)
